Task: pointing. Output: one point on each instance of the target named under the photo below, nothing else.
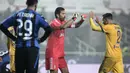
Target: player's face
(62, 15)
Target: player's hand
(97, 20)
(91, 14)
(83, 16)
(75, 15)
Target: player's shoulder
(42, 16)
(115, 25)
(118, 27)
(39, 16)
(52, 21)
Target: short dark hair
(108, 16)
(31, 2)
(58, 10)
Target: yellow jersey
(113, 34)
(113, 37)
(10, 43)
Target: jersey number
(119, 36)
(27, 27)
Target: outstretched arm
(67, 24)
(93, 25)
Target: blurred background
(84, 48)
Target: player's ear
(35, 6)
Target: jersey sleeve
(94, 26)
(43, 23)
(54, 25)
(10, 21)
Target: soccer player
(27, 23)
(11, 49)
(55, 46)
(113, 61)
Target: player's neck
(60, 19)
(110, 22)
(31, 8)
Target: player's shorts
(55, 63)
(114, 65)
(12, 63)
(27, 58)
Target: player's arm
(93, 25)
(47, 29)
(65, 25)
(5, 25)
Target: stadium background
(84, 48)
